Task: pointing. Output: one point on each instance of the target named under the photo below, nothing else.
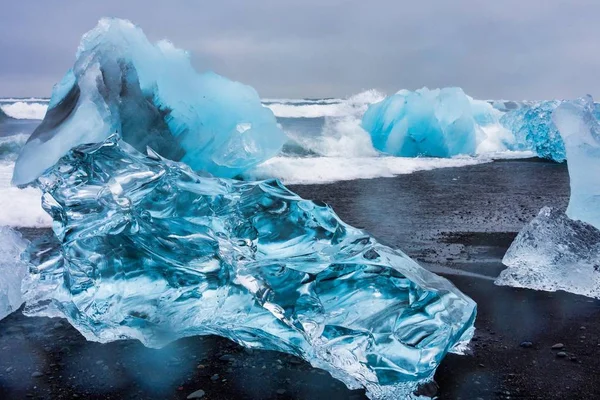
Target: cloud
(511, 49)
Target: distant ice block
(437, 123)
(580, 131)
(554, 252)
(12, 270)
(152, 251)
(534, 129)
(150, 95)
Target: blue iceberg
(580, 130)
(151, 95)
(558, 251)
(534, 130)
(437, 123)
(150, 250)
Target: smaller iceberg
(534, 129)
(12, 270)
(558, 251)
(151, 95)
(436, 123)
(580, 131)
(554, 252)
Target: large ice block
(152, 251)
(150, 95)
(580, 131)
(438, 123)
(12, 270)
(554, 252)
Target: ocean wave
(24, 99)
(11, 145)
(25, 110)
(319, 170)
(20, 207)
(324, 108)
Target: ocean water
(325, 144)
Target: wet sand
(457, 222)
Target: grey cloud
(510, 49)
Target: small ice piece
(554, 252)
(437, 123)
(150, 95)
(12, 270)
(534, 130)
(152, 251)
(580, 131)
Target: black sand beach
(457, 222)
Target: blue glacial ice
(534, 130)
(558, 251)
(12, 270)
(437, 123)
(150, 250)
(580, 131)
(151, 95)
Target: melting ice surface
(152, 251)
(554, 252)
(152, 96)
(557, 251)
(437, 123)
(12, 270)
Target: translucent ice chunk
(152, 251)
(580, 131)
(438, 123)
(12, 270)
(554, 252)
(151, 95)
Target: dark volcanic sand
(457, 222)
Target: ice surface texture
(12, 270)
(554, 252)
(437, 123)
(534, 130)
(580, 131)
(151, 95)
(152, 251)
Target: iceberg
(580, 131)
(554, 252)
(151, 95)
(436, 123)
(12, 270)
(151, 250)
(534, 130)
(558, 251)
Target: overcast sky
(511, 49)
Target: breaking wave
(24, 109)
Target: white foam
(317, 170)
(20, 207)
(24, 110)
(27, 100)
(332, 108)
